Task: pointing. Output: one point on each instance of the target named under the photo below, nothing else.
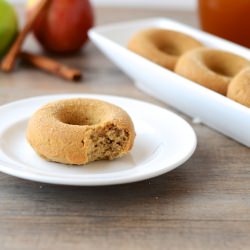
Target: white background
(173, 4)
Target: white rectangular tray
(214, 110)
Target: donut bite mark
(239, 88)
(79, 131)
(162, 46)
(211, 68)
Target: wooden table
(204, 204)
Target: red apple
(62, 27)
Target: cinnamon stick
(9, 60)
(52, 66)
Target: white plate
(163, 142)
(211, 108)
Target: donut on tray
(211, 68)
(239, 88)
(162, 46)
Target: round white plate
(163, 142)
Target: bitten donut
(78, 131)
(239, 88)
(211, 68)
(162, 46)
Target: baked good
(211, 68)
(78, 131)
(162, 46)
(239, 88)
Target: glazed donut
(78, 131)
(211, 68)
(162, 46)
(239, 88)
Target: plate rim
(127, 179)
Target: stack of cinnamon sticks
(41, 62)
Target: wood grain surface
(204, 204)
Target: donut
(239, 88)
(211, 68)
(162, 46)
(79, 131)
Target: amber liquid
(229, 19)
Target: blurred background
(175, 4)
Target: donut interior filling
(107, 142)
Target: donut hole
(77, 118)
(220, 70)
(170, 49)
(171, 42)
(224, 63)
(107, 142)
(78, 121)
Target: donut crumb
(107, 143)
